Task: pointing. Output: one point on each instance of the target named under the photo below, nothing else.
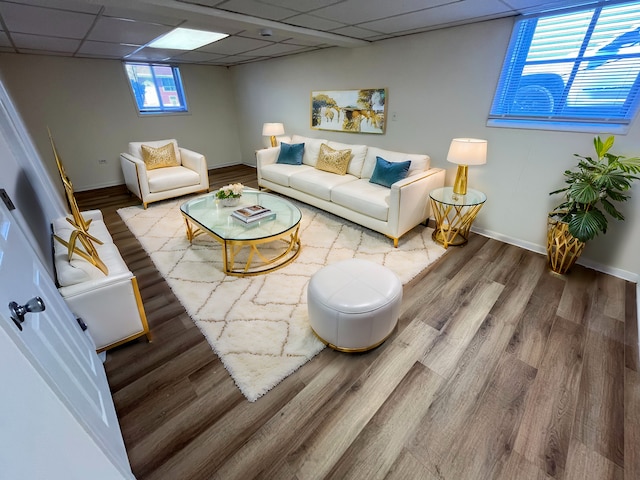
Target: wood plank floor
(499, 369)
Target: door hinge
(83, 325)
(7, 201)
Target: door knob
(36, 304)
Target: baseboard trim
(585, 262)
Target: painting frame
(362, 110)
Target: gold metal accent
(273, 140)
(453, 222)
(563, 249)
(460, 183)
(353, 350)
(231, 248)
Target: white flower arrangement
(233, 190)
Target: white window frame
(554, 77)
(154, 85)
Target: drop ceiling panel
(356, 32)
(103, 49)
(153, 55)
(117, 30)
(256, 9)
(197, 57)
(301, 5)
(141, 16)
(4, 40)
(276, 49)
(235, 59)
(457, 12)
(315, 23)
(45, 21)
(358, 11)
(234, 45)
(42, 43)
(71, 5)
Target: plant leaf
(585, 225)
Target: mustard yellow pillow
(164, 156)
(334, 161)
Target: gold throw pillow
(334, 161)
(164, 156)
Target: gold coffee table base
(231, 249)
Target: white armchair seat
(189, 176)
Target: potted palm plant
(593, 187)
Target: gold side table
(454, 214)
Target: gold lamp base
(460, 183)
(273, 141)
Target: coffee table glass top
(208, 212)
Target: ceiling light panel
(186, 39)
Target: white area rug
(258, 326)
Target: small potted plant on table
(229, 195)
(592, 188)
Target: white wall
(89, 108)
(440, 86)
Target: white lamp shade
(467, 151)
(272, 129)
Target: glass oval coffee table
(271, 243)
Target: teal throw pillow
(387, 173)
(291, 154)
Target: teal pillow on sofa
(387, 173)
(291, 154)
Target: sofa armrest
(409, 200)
(264, 157)
(135, 174)
(198, 163)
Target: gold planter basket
(563, 249)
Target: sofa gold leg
(395, 243)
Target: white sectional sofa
(392, 211)
(110, 305)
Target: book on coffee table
(252, 213)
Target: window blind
(578, 67)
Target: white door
(54, 344)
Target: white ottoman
(354, 304)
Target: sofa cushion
(333, 161)
(358, 153)
(281, 173)
(363, 197)
(311, 148)
(419, 163)
(318, 182)
(135, 148)
(170, 178)
(290, 154)
(164, 156)
(387, 173)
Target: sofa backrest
(358, 153)
(363, 157)
(135, 148)
(311, 148)
(419, 163)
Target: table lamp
(271, 130)
(465, 152)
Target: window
(572, 71)
(157, 88)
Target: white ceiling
(120, 29)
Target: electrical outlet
(102, 161)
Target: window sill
(598, 128)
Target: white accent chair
(191, 176)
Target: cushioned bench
(109, 304)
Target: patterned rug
(258, 326)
